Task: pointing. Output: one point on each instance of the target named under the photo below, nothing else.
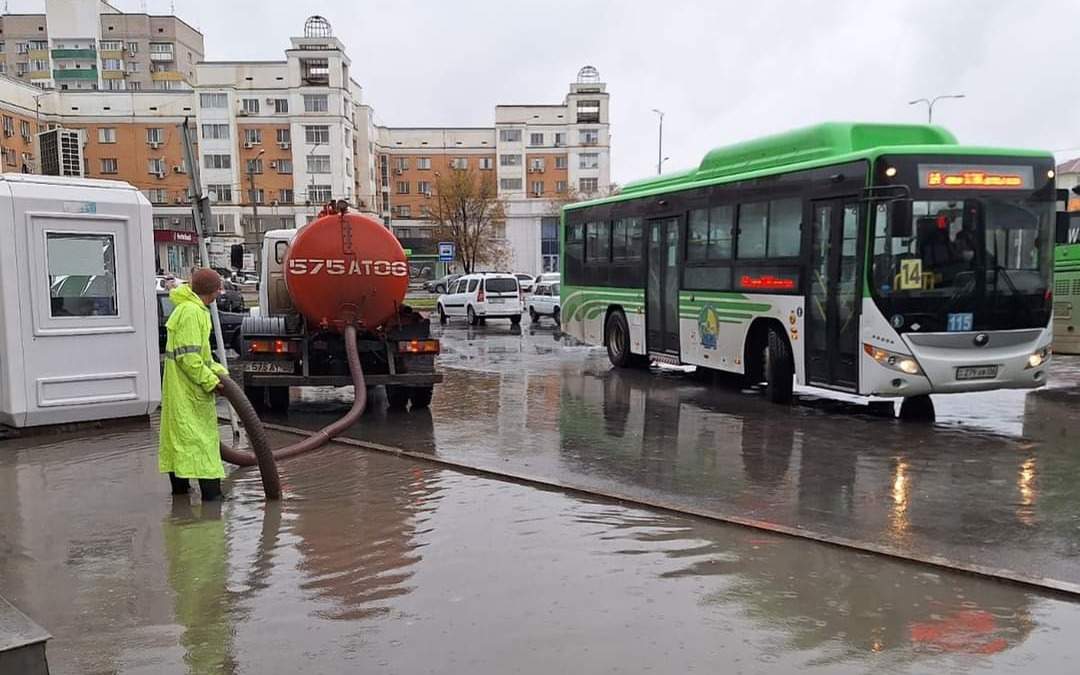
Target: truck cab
(279, 349)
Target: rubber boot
(180, 486)
(210, 489)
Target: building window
(281, 106)
(24, 129)
(401, 164)
(510, 160)
(285, 196)
(403, 187)
(111, 64)
(109, 165)
(134, 86)
(256, 195)
(423, 163)
(560, 139)
(510, 184)
(213, 100)
(155, 135)
(217, 161)
(317, 134)
(536, 187)
(549, 243)
(283, 136)
(133, 47)
(589, 136)
(22, 67)
(284, 166)
(254, 166)
(157, 195)
(135, 67)
(110, 45)
(253, 136)
(318, 164)
(510, 135)
(250, 106)
(9, 126)
(536, 139)
(459, 163)
(161, 48)
(220, 193)
(486, 163)
(560, 162)
(156, 165)
(589, 160)
(105, 134)
(423, 187)
(588, 185)
(560, 186)
(224, 222)
(316, 103)
(215, 131)
(73, 259)
(588, 111)
(404, 211)
(319, 194)
(536, 164)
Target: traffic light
(236, 256)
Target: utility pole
(252, 235)
(660, 143)
(200, 213)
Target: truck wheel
(779, 368)
(397, 397)
(533, 316)
(420, 397)
(442, 315)
(279, 399)
(515, 320)
(257, 396)
(473, 319)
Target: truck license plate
(280, 367)
(976, 372)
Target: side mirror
(900, 218)
(1061, 227)
(1061, 195)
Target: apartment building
(275, 140)
(91, 45)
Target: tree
(466, 209)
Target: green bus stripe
(740, 306)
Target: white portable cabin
(78, 314)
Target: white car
(525, 281)
(549, 278)
(545, 302)
(477, 297)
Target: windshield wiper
(1013, 291)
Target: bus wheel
(779, 368)
(617, 340)
(918, 409)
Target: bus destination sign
(961, 177)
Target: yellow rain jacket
(189, 443)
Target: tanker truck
(341, 268)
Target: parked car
(441, 284)
(545, 302)
(230, 325)
(549, 278)
(525, 281)
(477, 297)
(231, 299)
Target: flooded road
(992, 484)
(381, 564)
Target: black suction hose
(266, 458)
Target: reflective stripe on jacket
(189, 442)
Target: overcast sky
(722, 71)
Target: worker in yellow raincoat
(189, 443)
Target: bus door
(832, 316)
(662, 287)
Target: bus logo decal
(708, 327)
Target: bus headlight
(1038, 358)
(902, 362)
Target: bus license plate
(279, 367)
(976, 372)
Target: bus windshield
(984, 254)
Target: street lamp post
(660, 142)
(252, 235)
(930, 104)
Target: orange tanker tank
(346, 268)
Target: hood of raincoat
(184, 293)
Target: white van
(477, 297)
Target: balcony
(75, 54)
(76, 74)
(162, 56)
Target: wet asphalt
(377, 563)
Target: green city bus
(875, 259)
(1067, 290)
